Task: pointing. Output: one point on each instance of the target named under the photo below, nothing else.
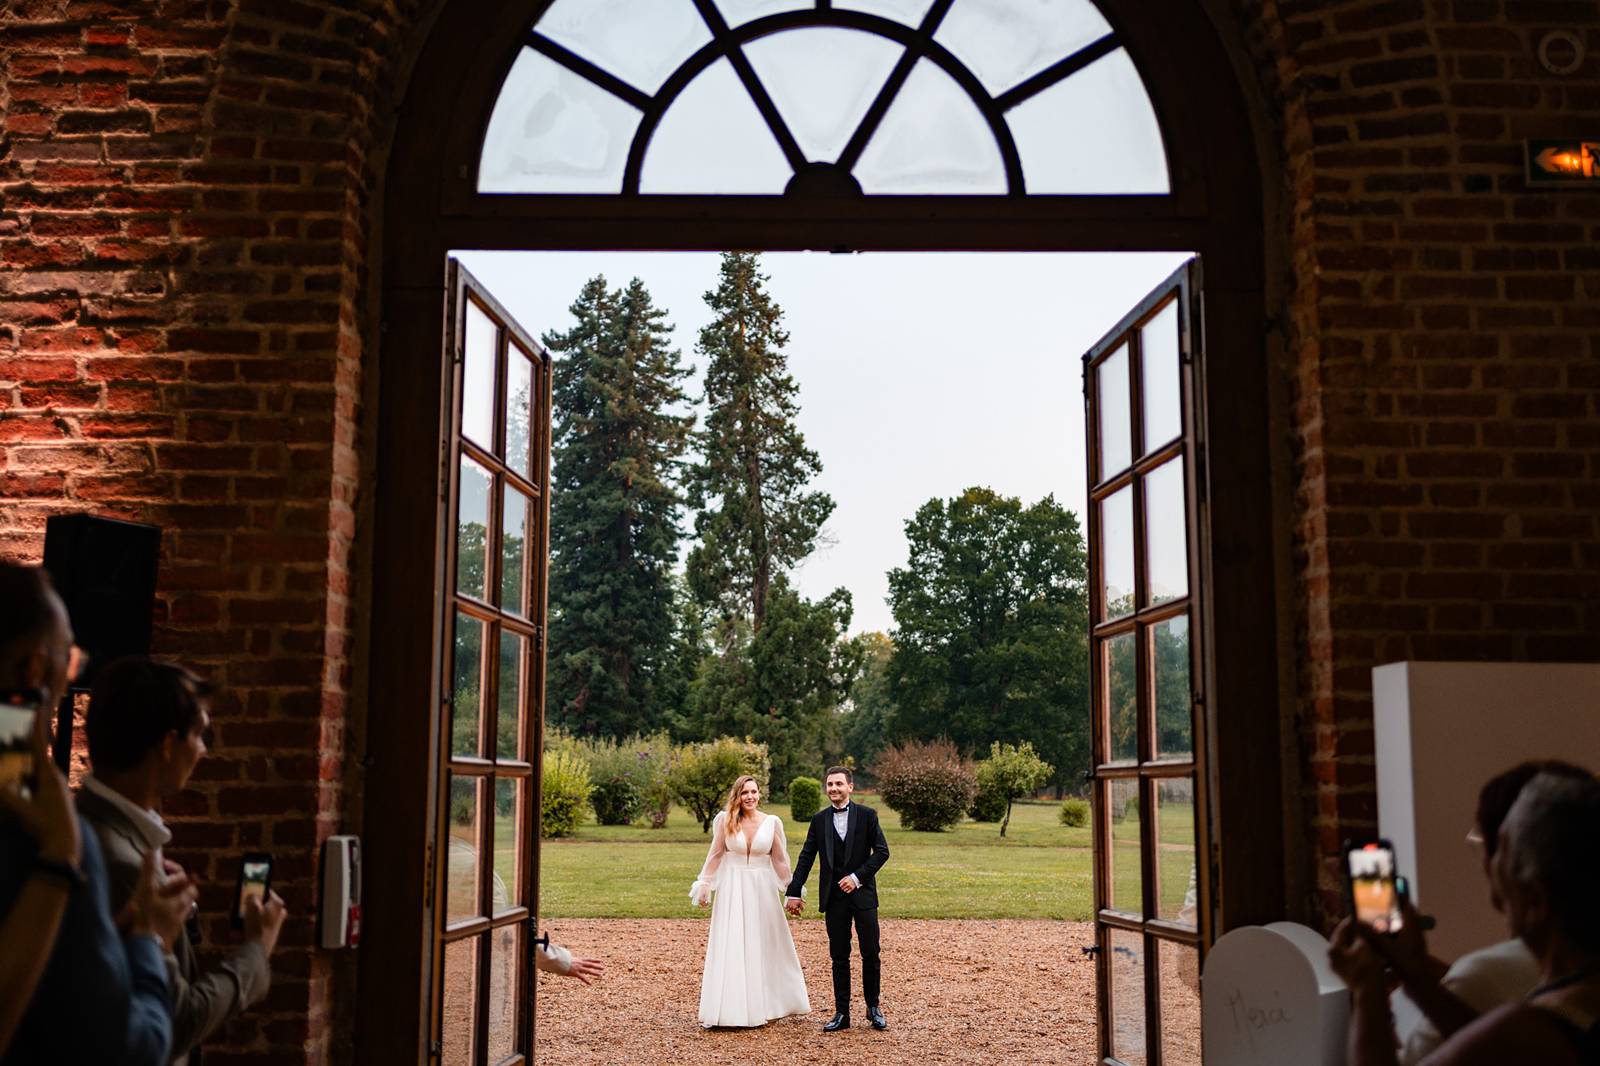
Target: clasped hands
(794, 905)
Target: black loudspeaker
(105, 572)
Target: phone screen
(16, 743)
(1373, 892)
(254, 877)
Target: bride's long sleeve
(780, 857)
(700, 891)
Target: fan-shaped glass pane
(553, 131)
(640, 41)
(1006, 41)
(712, 139)
(908, 12)
(1094, 132)
(933, 140)
(738, 12)
(823, 111)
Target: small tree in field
(1012, 771)
(702, 774)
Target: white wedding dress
(752, 974)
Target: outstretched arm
(802, 867)
(700, 891)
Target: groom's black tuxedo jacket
(862, 852)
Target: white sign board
(1269, 998)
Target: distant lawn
(1041, 869)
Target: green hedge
(805, 798)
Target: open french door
(1151, 833)
(495, 508)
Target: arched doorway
(453, 184)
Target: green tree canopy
(871, 704)
(781, 685)
(756, 518)
(992, 627)
(620, 436)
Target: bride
(752, 972)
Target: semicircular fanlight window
(808, 97)
(554, 131)
(933, 139)
(713, 134)
(822, 113)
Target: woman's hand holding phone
(48, 814)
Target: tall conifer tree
(615, 508)
(756, 520)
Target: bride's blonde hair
(734, 809)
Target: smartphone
(1371, 885)
(19, 713)
(255, 879)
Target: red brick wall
(184, 244)
(1446, 342)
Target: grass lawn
(1041, 869)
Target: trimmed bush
(616, 800)
(805, 798)
(702, 774)
(566, 793)
(1074, 812)
(988, 805)
(929, 785)
(614, 773)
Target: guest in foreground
(1454, 996)
(103, 995)
(1545, 870)
(147, 726)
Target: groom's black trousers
(839, 917)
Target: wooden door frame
(429, 209)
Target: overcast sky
(919, 374)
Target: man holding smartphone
(73, 987)
(146, 727)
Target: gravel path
(957, 991)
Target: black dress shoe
(840, 1021)
(875, 1016)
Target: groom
(853, 851)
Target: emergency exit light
(1571, 163)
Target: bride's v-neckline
(750, 838)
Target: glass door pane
(492, 653)
(1151, 883)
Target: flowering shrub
(566, 793)
(929, 785)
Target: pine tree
(756, 520)
(615, 509)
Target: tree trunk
(1007, 820)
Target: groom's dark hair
(845, 770)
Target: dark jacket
(201, 1002)
(862, 852)
(102, 998)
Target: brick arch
(431, 206)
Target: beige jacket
(201, 1002)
